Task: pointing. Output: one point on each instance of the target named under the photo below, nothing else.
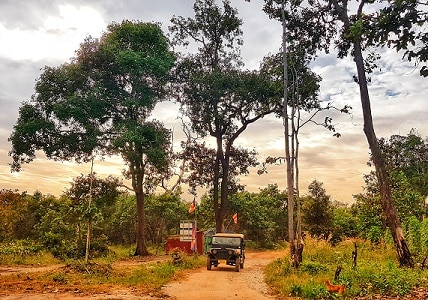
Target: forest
(99, 104)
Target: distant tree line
(58, 224)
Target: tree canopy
(98, 104)
(218, 97)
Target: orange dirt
(219, 283)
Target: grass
(147, 276)
(377, 271)
(118, 269)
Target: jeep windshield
(232, 241)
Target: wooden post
(354, 256)
(337, 273)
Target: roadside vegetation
(119, 269)
(376, 272)
(43, 230)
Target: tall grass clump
(417, 237)
(377, 271)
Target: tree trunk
(141, 239)
(219, 222)
(285, 117)
(88, 240)
(221, 211)
(218, 203)
(137, 184)
(88, 233)
(388, 206)
(299, 235)
(219, 226)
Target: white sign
(186, 228)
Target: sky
(38, 33)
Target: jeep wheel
(237, 264)
(241, 265)
(208, 264)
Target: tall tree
(99, 104)
(353, 36)
(302, 36)
(394, 23)
(301, 87)
(201, 161)
(219, 98)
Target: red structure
(173, 241)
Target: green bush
(25, 252)
(19, 251)
(20, 248)
(99, 246)
(413, 234)
(314, 290)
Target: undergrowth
(377, 271)
(24, 252)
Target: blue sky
(47, 32)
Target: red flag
(235, 218)
(192, 206)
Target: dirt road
(219, 283)
(224, 283)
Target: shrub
(90, 268)
(374, 234)
(314, 268)
(413, 234)
(20, 248)
(424, 237)
(19, 251)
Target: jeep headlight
(230, 252)
(214, 251)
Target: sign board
(186, 228)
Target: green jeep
(228, 248)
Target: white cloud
(57, 38)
